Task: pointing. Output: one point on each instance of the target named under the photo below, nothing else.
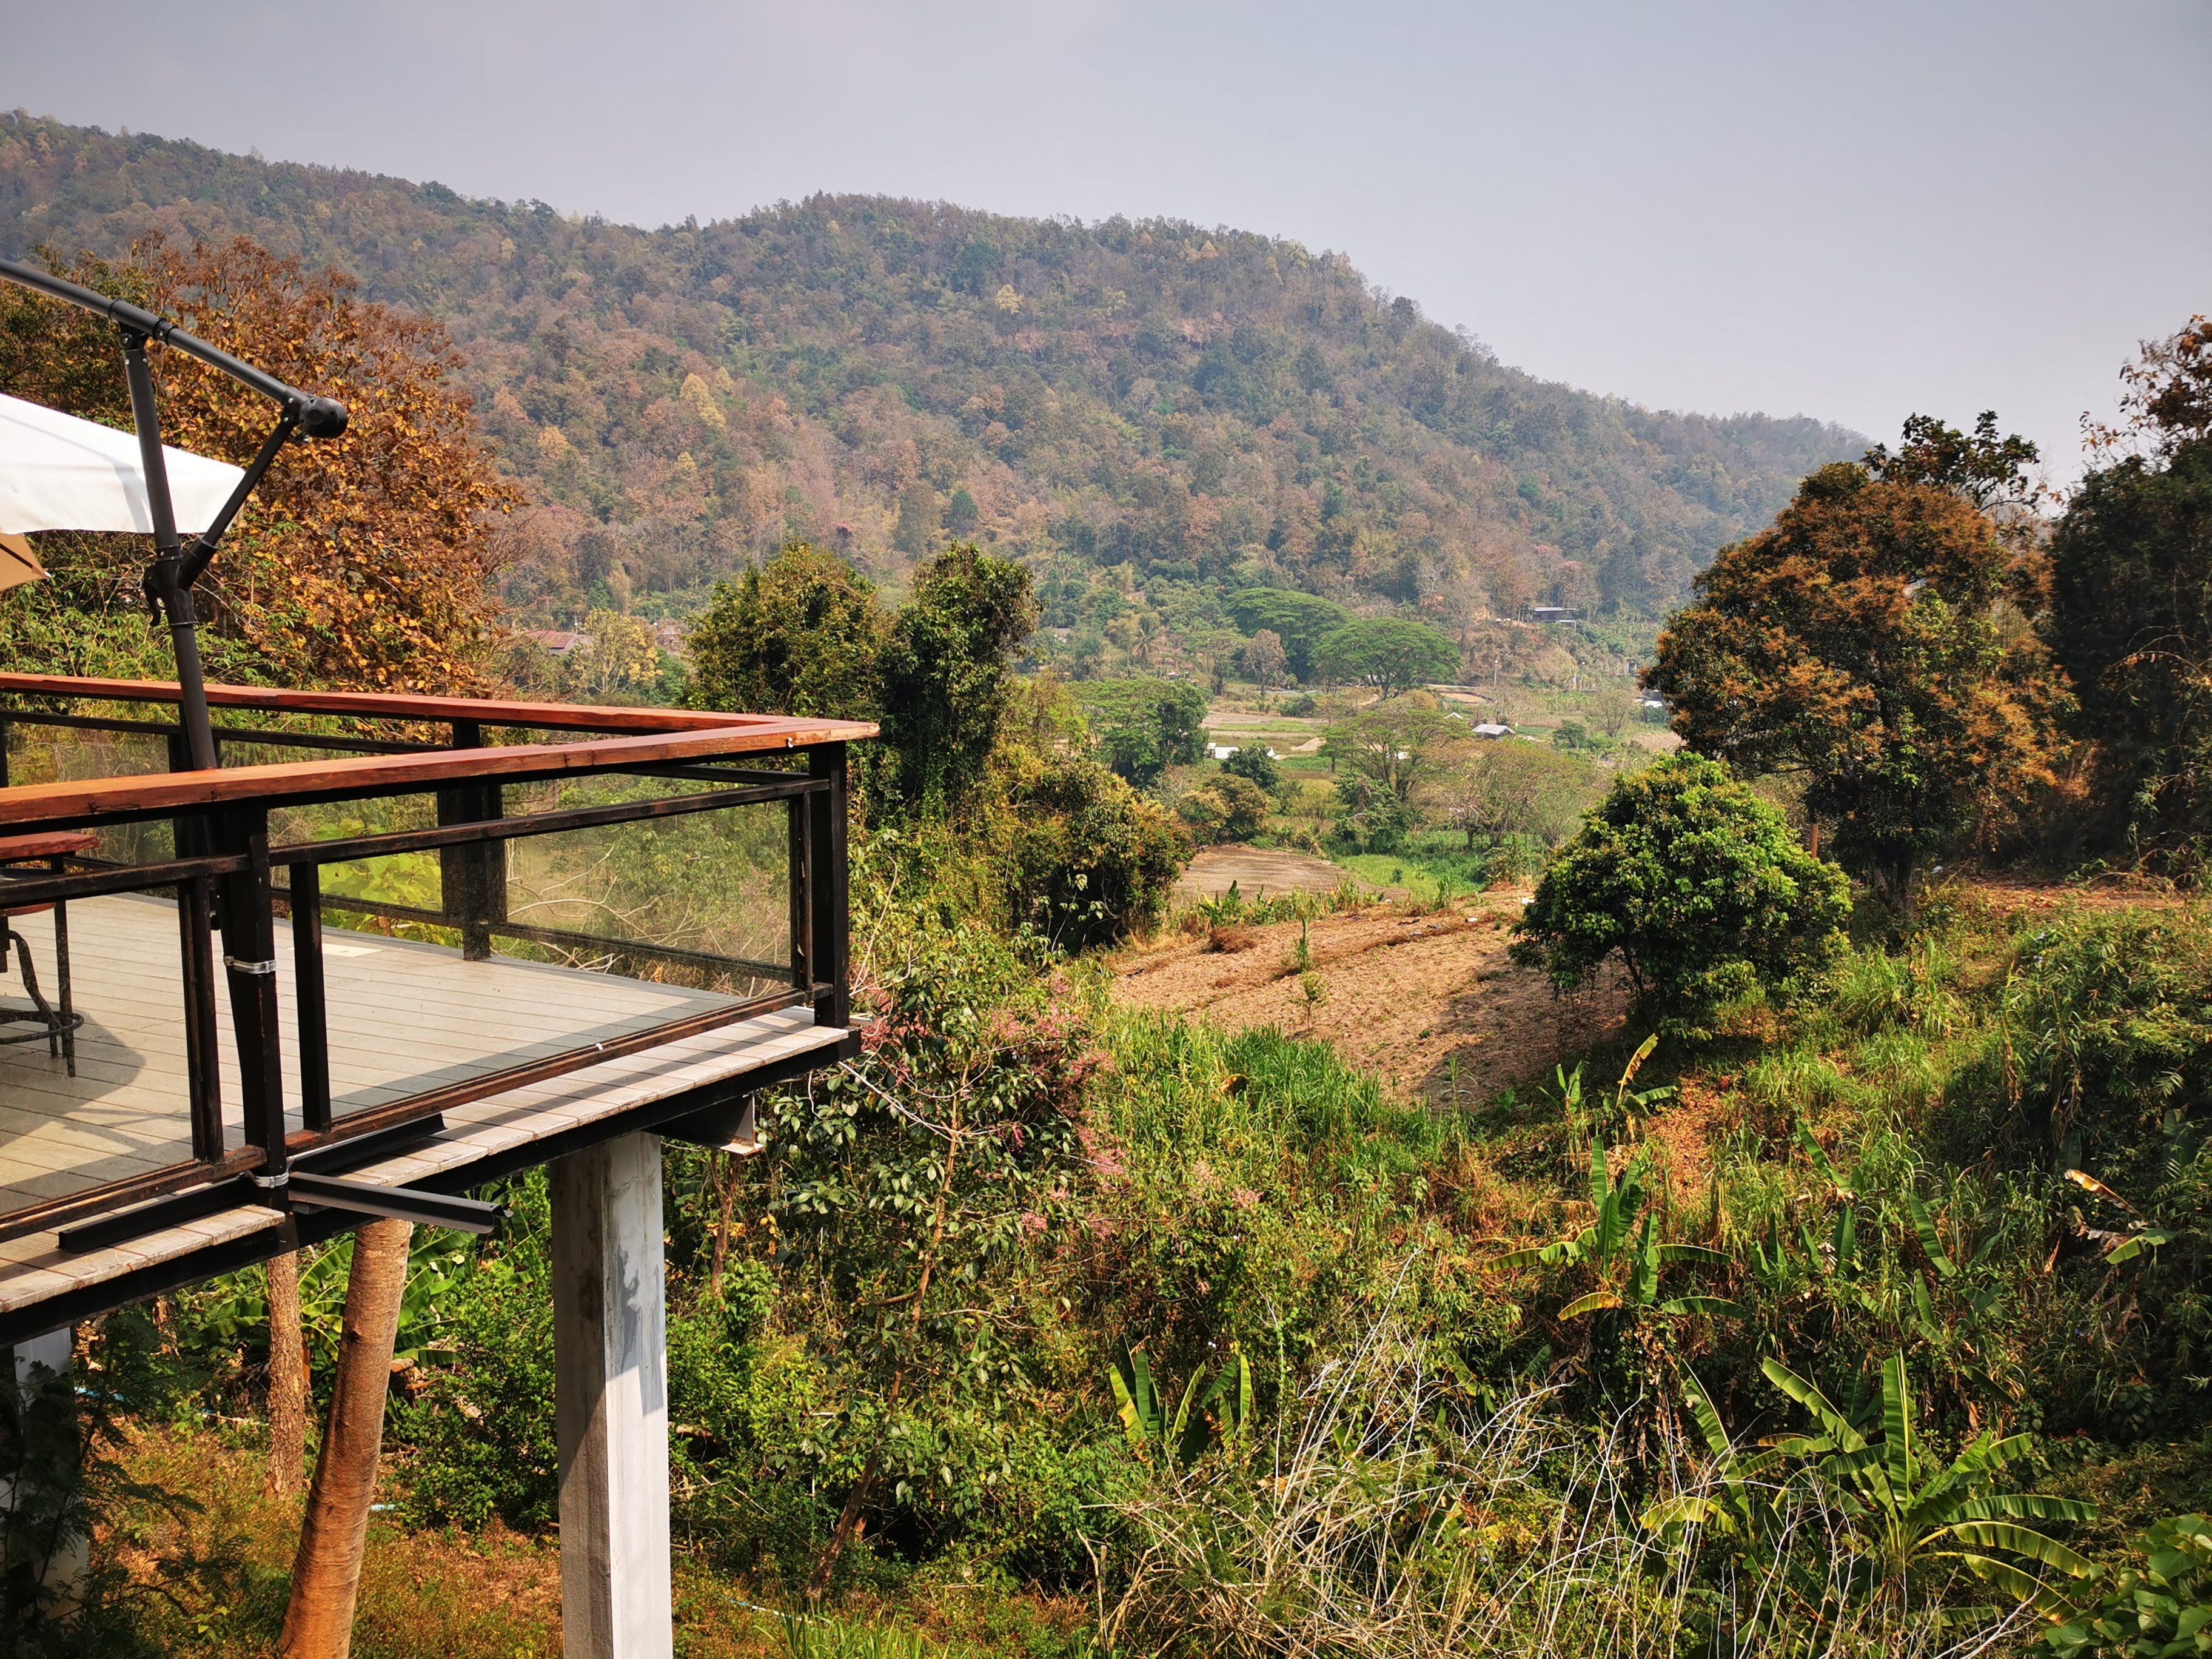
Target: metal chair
(57, 1025)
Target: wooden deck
(404, 1017)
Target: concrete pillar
(36, 1361)
(610, 1401)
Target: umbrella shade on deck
(58, 472)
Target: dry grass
(205, 1574)
(1382, 1527)
(1428, 1001)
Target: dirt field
(1428, 1001)
(1257, 871)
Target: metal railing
(230, 876)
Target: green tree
(799, 635)
(2130, 614)
(1298, 622)
(1146, 726)
(1387, 652)
(962, 515)
(916, 531)
(1263, 661)
(1870, 644)
(1224, 809)
(1252, 761)
(945, 674)
(1695, 885)
(1493, 790)
(1983, 467)
(1385, 756)
(1089, 860)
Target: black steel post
(203, 1074)
(165, 581)
(831, 898)
(62, 973)
(311, 1010)
(472, 879)
(249, 960)
(802, 904)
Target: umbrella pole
(165, 584)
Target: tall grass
(1390, 1522)
(1241, 1102)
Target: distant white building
(1222, 751)
(1491, 730)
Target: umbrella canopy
(58, 472)
(18, 564)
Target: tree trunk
(288, 1380)
(726, 1165)
(327, 1574)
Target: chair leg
(46, 1014)
(62, 971)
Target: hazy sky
(1852, 211)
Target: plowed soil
(1257, 871)
(1428, 1001)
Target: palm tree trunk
(327, 1574)
(288, 1380)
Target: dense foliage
(365, 564)
(2131, 611)
(1866, 644)
(867, 374)
(1695, 885)
(799, 634)
(1144, 727)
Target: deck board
(404, 1016)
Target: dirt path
(1428, 1001)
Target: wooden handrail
(292, 783)
(389, 705)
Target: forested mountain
(1191, 406)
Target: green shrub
(1695, 885)
(1145, 725)
(797, 635)
(1253, 761)
(1226, 808)
(2159, 1610)
(1089, 860)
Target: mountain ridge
(1149, 412)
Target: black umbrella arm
(169, 579)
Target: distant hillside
(1186, 409)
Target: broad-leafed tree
(1871, 644)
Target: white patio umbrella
(58, 472)
(72, 475)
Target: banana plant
(1742, 1507)
(1918, 1511)
(1625, 1110)
(1184, 1438)
(1616, 1246)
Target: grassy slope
(1252, 1192)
